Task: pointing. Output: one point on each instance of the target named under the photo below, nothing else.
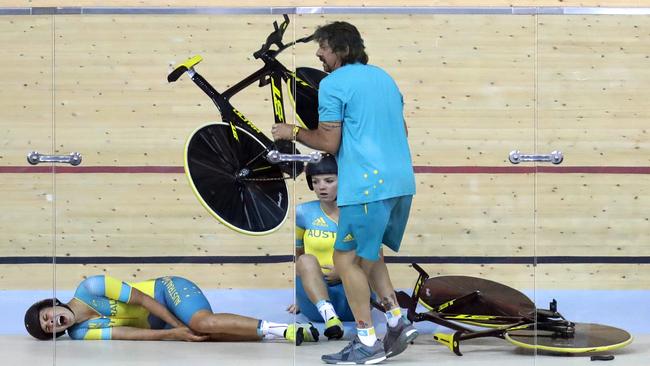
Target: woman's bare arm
(141, 334)
(140, 298)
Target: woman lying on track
(166, 308)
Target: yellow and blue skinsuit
(316, 234)
(109, 296)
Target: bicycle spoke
(257, 201)
(224, 154)
(256, 157)
(254, 154)
(210, 167)
(216, 157)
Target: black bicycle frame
(273, 72)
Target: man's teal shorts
(364, 227)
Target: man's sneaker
(299, 333)
(334, 328)
(398, 338)
(357, 353)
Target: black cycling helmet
(33, 319)
(327, 165)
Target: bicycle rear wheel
(493, 299)
(586, 339)
(233, 181)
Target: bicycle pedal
(602, 358)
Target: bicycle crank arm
(275, 157)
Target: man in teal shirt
(362, 122)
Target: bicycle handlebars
(275, 38)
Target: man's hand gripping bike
(236, 172)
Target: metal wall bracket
(35, 158)
(554, 157)
(275, 157)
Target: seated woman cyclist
(319, 291)
(166, 308)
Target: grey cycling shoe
(398, 338)
(357, 353)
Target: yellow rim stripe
(568, 350)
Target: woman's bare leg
(225, 325)
(309, 271)
(220, 337)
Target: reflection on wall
(475, 87)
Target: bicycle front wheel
(232, 179)
(587, 338)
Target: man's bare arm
(327, 137)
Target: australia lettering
(171, 289)
(112, 304)
(315, 233)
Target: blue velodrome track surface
(629, 309)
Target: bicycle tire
(233, 181)
(587, 338)
(303, 94)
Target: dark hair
(33, 319)
(345, 40)
(327, 165)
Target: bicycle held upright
(236, 172)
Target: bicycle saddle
(180, 69)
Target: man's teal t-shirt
(374, 159)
